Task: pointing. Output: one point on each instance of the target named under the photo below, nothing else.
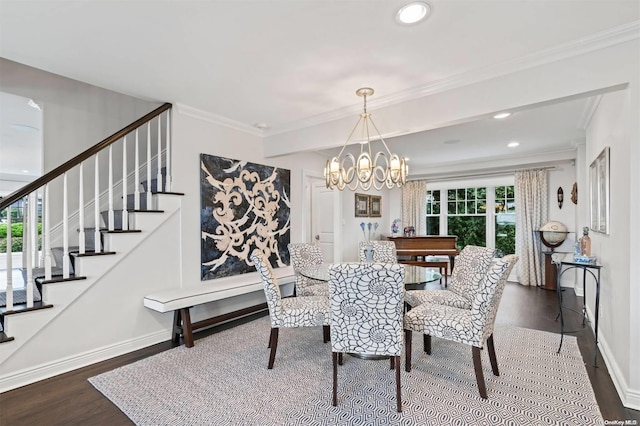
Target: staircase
(109, 227)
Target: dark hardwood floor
(69, 399)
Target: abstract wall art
(243, 206)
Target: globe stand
(550, 268)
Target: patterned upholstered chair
(471, 266)
(309, 311)
(303, 254)
(383, 251)
(470, 326)
(366, 314)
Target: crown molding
(217, 119)
(588, 111)
(603, 39)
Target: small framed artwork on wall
(375, 205)
(362, 205)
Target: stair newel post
(46, 232)
(65, 228)
(81, 231)
(148, 165)
(125, 214)
(168, 157)
(159, 185)
(28, 230)
(9, 263)
(33, 235)
(136, 179)
(96, 206)
(111, 225)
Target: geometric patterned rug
(224, 380)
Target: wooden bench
(180, 300)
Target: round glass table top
(413, 275)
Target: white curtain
(531, 196)
(414, 205)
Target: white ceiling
(286, 63)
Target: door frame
(308, 178)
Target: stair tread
(4, 337)
(121, 231)
(92, 253)
(58, 279)
(22, 307)
(146, 211)
(167, 192)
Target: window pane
(451, 207)
(471, 230)
(461, 207)
(506, 233)
(433, 225)
(471, 207)
(436, 208)
(460, 194)
(510, 192)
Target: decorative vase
(368, 253)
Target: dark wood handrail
(29, 188)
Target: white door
(322, 217)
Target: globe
(553, 234)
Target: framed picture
(362, 205)
(599, 192)
(375, 205)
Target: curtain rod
(479, 174)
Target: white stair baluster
(33, 218)
(81, 231)
(111, 225)
(125, 213)
(149, 165)
(65, 228)
(9, 263)
(167, 176)
(159, 186)
(46, 233)
(28, 230)
(136, 179)
(96, 204)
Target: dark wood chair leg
(407, 351)
(426, 342)
(477, 365)
(325, 333)
(187, 331)
(334, 357)
(392, 363)
(340, 358)
(492, 356)
(274, 345)
(398, 390)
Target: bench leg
(182, 326)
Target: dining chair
(471, 266)
(366, 314)
(383, 251)
(469, 326)
(304, 311)
(303, 255)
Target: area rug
(224, 380)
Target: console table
(564, 265)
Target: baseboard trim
(64, 365)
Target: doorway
(322, 217)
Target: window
(466, 215)
(433, 212)
(505, 229)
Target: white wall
(619, 327)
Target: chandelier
(383, 169)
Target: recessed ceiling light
(513, 144)
(25, 171)
(502, 115)
(413, 13)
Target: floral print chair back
(469, 326)
(471, 266)
(309, 311)
(383, 251)
(366, 314)
(304, 255)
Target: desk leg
(595, 350)
(559, 290)
(584, 295)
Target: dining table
(415, 277)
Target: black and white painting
(243, 207)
